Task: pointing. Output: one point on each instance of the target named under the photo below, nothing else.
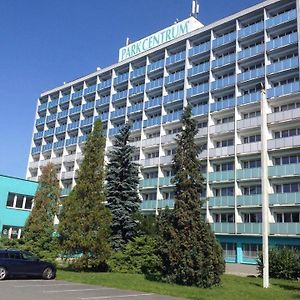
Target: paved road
(241, 269)
(61, 290)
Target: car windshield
(29, 256)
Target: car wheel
(3, 273)
(48, 273)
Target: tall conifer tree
(39, 228)
(122, 190)
(188, 248)
(85, 221)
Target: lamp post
(264, 186)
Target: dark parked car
(19, 263)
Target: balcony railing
(163, 203)
(249, 148)
(71, 141)
(38, 135)
(284, 199)
(47, 147)
(282, 18)
(249, 173)
(249, 98)
(88, 106)
(49, 132)
(282, 41)
(165, 181)
(248, 200)
(51, 118)
(285, 228)
(148, 183)
(228, 103)
(223, 201)
(284, 89)
(200, 69)
(178, 76)
(153, 102)
(156, 66)
(104, 85)
(173, 97)
(221, 128)
(252, 74)
(91, 89)
(175, 116)
(135, 108)
(118, 113)
(138, 72)
(148, 205)
(225, 60)
(222, 151)
(137, 90)
(249, 123)
(250, 52)
(202, 48)
(200, 110)
(59, 144)
(222, 83)
(75, 110)
(223, 227)
(221, 176)
(282, 65)
(152, 122)
(77, 94)
(40, 121)
(62, 114)
(121, 78)
(42, 107)
(155, 84)
(249, 228)
(102, 101)
(285, 170)
(225, 39)
(87, 121)
(197, 90)
(249, 30)
(73, 125)
(287, 142)
(53, 103)
(175, 58)
(119, 96)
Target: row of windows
(293, 187)
(287, 133)
(11, 232)
(286, 160)
(19, 201)
(286, 107)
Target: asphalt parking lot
(62, 290)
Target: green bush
(138, 256)
(284, 263)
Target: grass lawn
(233, 287)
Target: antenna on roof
(195, 9)
(127, 41)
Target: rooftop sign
(158, 38)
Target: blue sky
(44, 43)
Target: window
(288, 217)
(10, 200)
(250, 164)
(222, 192)
(224, 218)
(11, 232)
(251, 250)
(19, 201)
(293, 187)
(252, 217)
(229, 249)
(252, 190)
(251, 139)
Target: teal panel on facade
(14, 216)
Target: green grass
(232, 288)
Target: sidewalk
(241, 269)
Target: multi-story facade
(16, 200)
(219, 69)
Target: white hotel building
(218, 69)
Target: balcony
(158, 65)
(166, 160)
(42, 107)
(249, 123)
(69, 158)
(114, 131)
(49, 132)
(82, 139)
(150, 162)
(223, 201)
(88, 106)
(65, 191)
(285, 228)
(102, 101)
(284, 89)
(249, 98)
(224, 104)
(155, 102)
(163, 203)
(67, 175)
(291, 114)
(138, 73)
(75, 110)
(155, 84)
(36, 150)
(198, 70)
(119, 96)
(102, 116)
(152, 122)
(148, 205)
(284, 170)
(178, 57)
(148, 183)
(118, 113)
(71, 141)
(252, 29)
(40, 121)
(284, 199)
(223, 40)
(104, 85)
(223, 227)
(283, 41)
(87, 122)
(251, 74)
(38, 135)
(283, 65)
(174, 78)
(165, 181)
(168, 139)
(151, 142)
(220, 152)
(248, 148)
(135, 108)
(137, 90)
(223, 61)
(197, 90)
(221, 128)
(221, 176)
(251, 52)
(59, 144)
(281, 18)
(200, 110)
(47, 147)
(65, 99)
(137, 125)
(249, 228)
(287, 142)
(174, 97)
(73, 125)
(51, 118)
(53, 103)
(248, 173)
(77, 94)
(62, 114)
(223, 83)
(248, 200)
(175, 116)
(202, 48)
(121, 78)
(90, 90)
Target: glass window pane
(285, 160)
(286, 188)
(19, 202)
(294, 187)
(28, 202)
(10, 200)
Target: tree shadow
(287, 287)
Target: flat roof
(17, 178)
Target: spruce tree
(122, 190)
(85, 221)
(38, 233)
(188, 248)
